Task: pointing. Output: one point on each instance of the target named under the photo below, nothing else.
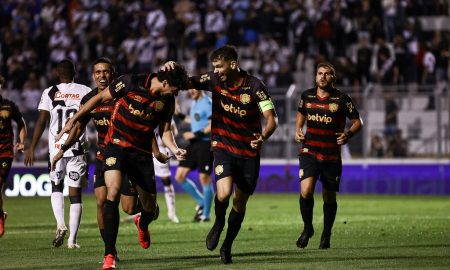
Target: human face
(101, 75)
(168, 90)
(223, 68)
(324, 78)
(194, 94)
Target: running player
(8, 112)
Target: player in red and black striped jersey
(8, 112)
(240, 102)
(143, 103)
(324, 109)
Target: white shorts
(75, 169)
(161, 169)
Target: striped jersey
(8, 111)
(324, 118)
(63, 101)
(101, 117)
(137, 112)
(236, 115)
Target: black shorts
(243, 171)
(136, 165)
(127, 187)
(5, 167)
(199, 157)
(329, 172)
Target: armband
(349, 133)
(64, 147)
(265, 105)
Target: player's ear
(233, 64)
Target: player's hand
(29, 157)
(20, 147)
(170, 65)
(256, 144)
(64, 130)
(180, 154)
(161, 157)
(188, 135)
(55, 159)
(299, 136)
(342, 138)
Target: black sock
(234, 225)
(111, 221)
(220, 209)
(306, 209)
(1, 212)
(102, 234)
(329, 214)
(146, 218)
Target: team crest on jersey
(261, 95)
(159, 105)
(350, 107)
(74, 176)
(5, 114)
(300, 173)
(333, 107)
(110, 161)
(197, 117)
(119, 86)
(218, 170)
(4, 165)
(204, 78)
(338, 179)
(245, 98)
(214, 143)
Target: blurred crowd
(368, 41)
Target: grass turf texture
(370, 232)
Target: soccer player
(324, 109)
(58, 103)
(8, 112)
(143, 103)
(198, 154)
(240, 101)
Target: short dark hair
(176, 77)
(66, 69)
(105, 60)
(327, 65)
(226, 53)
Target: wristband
(64, 147)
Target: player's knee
(57, 188)
(129, 209)
(75, 199)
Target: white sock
(75, 217)
(169, 195)
(57, 200)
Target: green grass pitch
(370, 232)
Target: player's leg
(129, 198)
(57, 200)
(188, 185)
(100, 195)
(162, 170)
(205, 164)
(5, 166)
(149, 210)
(307, 176)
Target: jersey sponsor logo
(308, 105)
(214, 143)
(110, 161)
(119, 86)
(204, 78)
(261, 95)
(137, 98)
(159, 105)
(245, 98)
(333, 107)
(62, 96)
(75, 176)
(116, 141)
(320, 118)
(305, 150)
(232, 109)
(218, 170)
(101, 122)
(140, 113)
(350, 107)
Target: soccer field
(370, 232)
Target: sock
(190, 188)
(169, 195)
(1, 213)
(111, 221)
(76, 209)
(102, 234)
(329, 214)
(306, 209)
(234, 225)
(220, 209)
(146, 218)
(208, 195)
(57, 200)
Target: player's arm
(299, 122)
(39, 128)
(101, 97)
(74, 135)
(161, 157)
(271, 125)
(169, 141)
(22, 128)
(354, 128)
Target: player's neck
(234, 79)
(322, 93)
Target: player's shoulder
(89, 95)
(84, 88)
